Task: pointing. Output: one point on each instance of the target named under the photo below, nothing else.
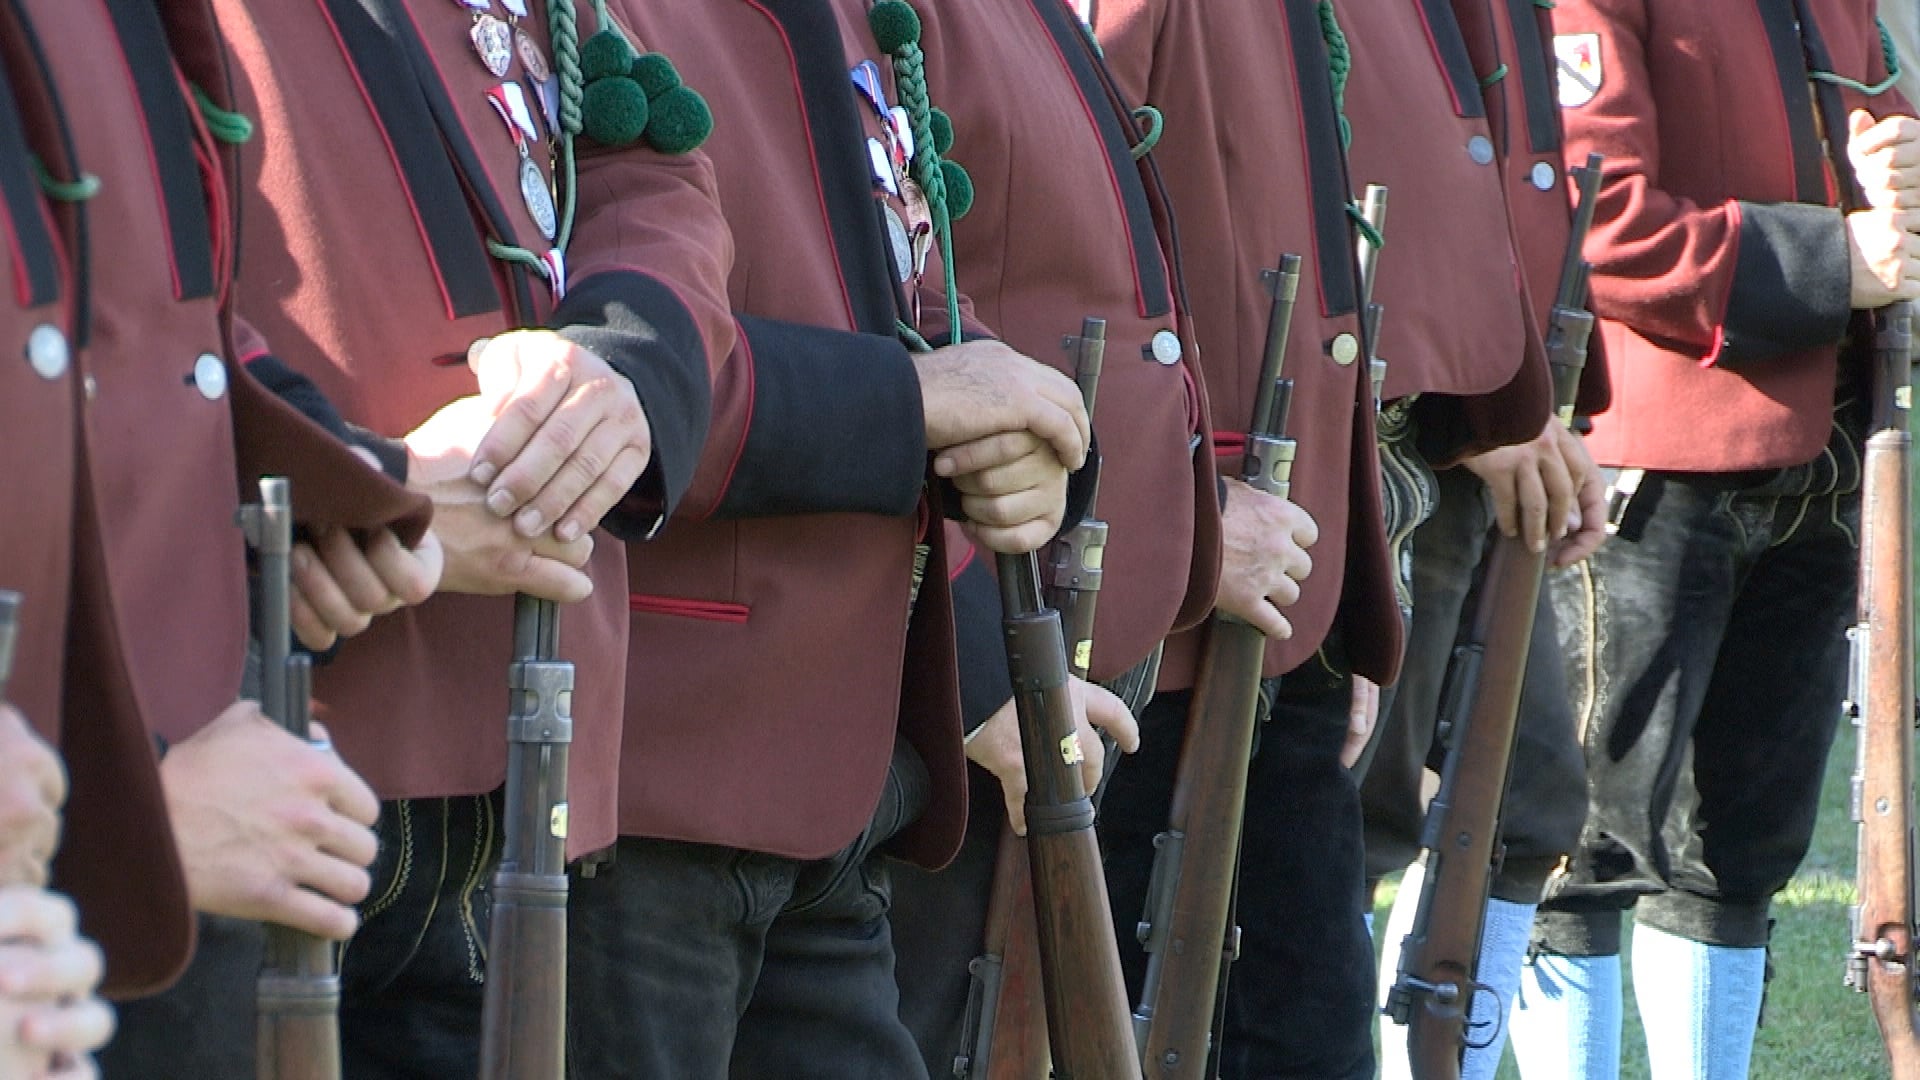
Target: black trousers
(1709, 662)
(699, 962)
(1545, 802)
(1300, 1001)
(411, 978)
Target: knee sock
(1699, 1003)
(1503, 949)
(1566, 1018)
(1393, 1037)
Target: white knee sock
(1393, 1037)
(1699, 1004)
(1503, 949)
(1566, 1018)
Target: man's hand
(50, 1020)
(1362, 714)
(981, 388)
(270, 828)
(1013, 490)
(996, 746)
(483, 552)
(33, 785)
(1886, 159)
(1883, 247)
(1534, 486)
(571, 439)
(1587, 527)
(1264, 560)
(341, 586)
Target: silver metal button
(47, 351)
(1480, 149)
(1166, 348)
(210, 377)
(1543, 176)
(1345, 349)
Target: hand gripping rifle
(1005, 1034)
(1086, 996)
(524, 1014)
(1881, 702)
(1196, 859)
(1434, 992)
(298, 992)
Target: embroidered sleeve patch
(1579, 63)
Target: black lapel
(1326, 159)
(21, 195)
(1790, 65)
(1536, 78)
(171, 136)
(74, 214)
(1455, 60)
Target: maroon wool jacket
(377, 175)
(1720, 258)
(129, 438)
(1250, 123)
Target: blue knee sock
(1566, 1018)
(1503, 949)
(1699, 1003)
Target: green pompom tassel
(655, 74)
(614, 112)
(942, 126)
(959, 190)
(605, 55)
(681, 121)
(895, 25)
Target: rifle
(9, 630)
(1005, 1036)
(1373, 211)
(524, 1014)
(1196, 859)
(1434, 991)
(298, 990)
(1086, 996)
(1881, 703)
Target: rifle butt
(524, 1015)
(1011, 1036)
(1089, 1027)
(1210, 792)
(298, 1000)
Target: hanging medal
(492, 38)
(524, 46)
(510, 102)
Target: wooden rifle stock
(1433, 994)
(524, 1013)
(1197, 858)
(1086, 997)
(1881, 702)
(298, 992)
(1005, 1033)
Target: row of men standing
(779, 687)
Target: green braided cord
(910, 80)
(1498, 74)
(64, 190)
(510, 254)
(1545, 4)
(1150, 118)
(228, 127)
(1367, 232)
(1339, 65)
(915, 343)
(1887, 54)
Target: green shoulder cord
(1339, 66)
(947, 186)
(67, 191)
(1887, 54)
(228, 127)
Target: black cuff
(836, 427)
(642, 330)
(985, 682)
(1792, 283)
(391, 452)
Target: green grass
(1814, 1027)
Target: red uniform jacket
(1720, 268)
(1256, 170)
(773, 655)
(1456, 326)
(122, 418)
(1065, 224)
(378, 174)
